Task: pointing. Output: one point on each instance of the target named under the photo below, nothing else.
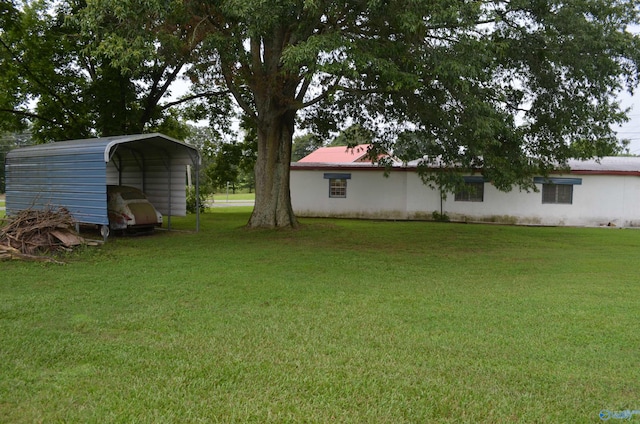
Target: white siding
(369, 195)
(599, 200)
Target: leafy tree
(510, 87)
(224, 169)
(207, 141)
(304, 145)
(249, 155)
(232, 165)
(352, 136)
(58, 82)
(10, 141)
(224, 160)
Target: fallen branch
(30, 234)
(8, 252)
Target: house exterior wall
(597, 200)
(369, 195)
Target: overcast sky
(631, 130)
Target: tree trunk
(273, 198)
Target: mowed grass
(340, 321)
(221, 197)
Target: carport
(74, 174)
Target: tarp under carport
(74, 174)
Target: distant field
(236, 196)
(341, 321)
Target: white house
(592, 193)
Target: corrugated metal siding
(148, 168)
(75, 174)
(40, 177)
(157, 182)
(154, 183)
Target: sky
(631, 130)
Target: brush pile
(31, 234)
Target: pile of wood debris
(33, 234)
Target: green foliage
(173, 126)
(440, 217)
(66, 85)
(514, 88)
(204, 139)
(10, 141)
(352, 136)
(225, 167)
(446, 323)
(223, 160)
(304, 145)
(194, 200)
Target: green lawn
(233, 196)
(341, 321)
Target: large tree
(510, 87)
(513, 87)
(54, 81)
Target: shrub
(191, 200)
(441, 217)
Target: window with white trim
(337, 184)
(337, 187)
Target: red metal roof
(338, 154)
(609, 165)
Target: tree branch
(157, 91)
(304, 88)
(27, 114)
(233, 89)
(332, 88)
(194, 97)
(47, 87)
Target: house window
(557, 190)
(337, 184)
(337, 187)
(557, 193)
(473, 190)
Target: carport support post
(197, 196)
(170, 190)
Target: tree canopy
(63, 88)
(512, 88)
(304, 145)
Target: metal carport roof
(74, 174)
